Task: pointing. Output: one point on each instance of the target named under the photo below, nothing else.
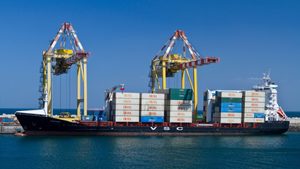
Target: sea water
(87, 152)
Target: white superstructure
(273, 112)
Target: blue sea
(89, 152)
(170, 152)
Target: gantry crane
(57, 61)
(165, 64)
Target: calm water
(84, 152)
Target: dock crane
(57, 61)
(165, 64)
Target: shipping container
(123, 95)
(253, 109)
(152, 108)
(254, 99)
(180, 113)
(180, 97)
(88, 118)
(180, 94)
(153, 102)
(153, 119)
(221, 115)
(179, 102)
(126, 118)
(231, 105)
(156, 96)
(254, 120)
(229, 94)
(152, 113)
(180, 91)
(252, 93)
(229, 120)
(248, 115)
(7, 120)
(259, 115)
(179, 119)
(228, 109)
(179, 108)
(126, 101)
(126, 112)
(229, 99)
(254, 105)
(126, 107)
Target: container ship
(164, 110)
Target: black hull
(41, 125)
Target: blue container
(259, 115)
(231, 105)
(7, 120)
(231, 109)
(88, 118)
(152, 119)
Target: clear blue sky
(250, 37)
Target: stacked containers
(254, 107)
(228, 107)
(126, 107)
(152, 107)
(179, 107)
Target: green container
(231, 100)
(180, 94)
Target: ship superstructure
(273, 111)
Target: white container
(255, 99)
(254, 105)
(180, 119)
(126, 113)
(179, 108)
(231, 94)
(120, 95)
(126, 107)
(152, 113)
(179, 114)
(254, 120)
(156, 96)
(252, 93)
(153, 102)
(254, 110)
(231, 120)
(248, 115)
(180, 102)
(231, 115)
(126, 101)
(152, 108)
(127, 119)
